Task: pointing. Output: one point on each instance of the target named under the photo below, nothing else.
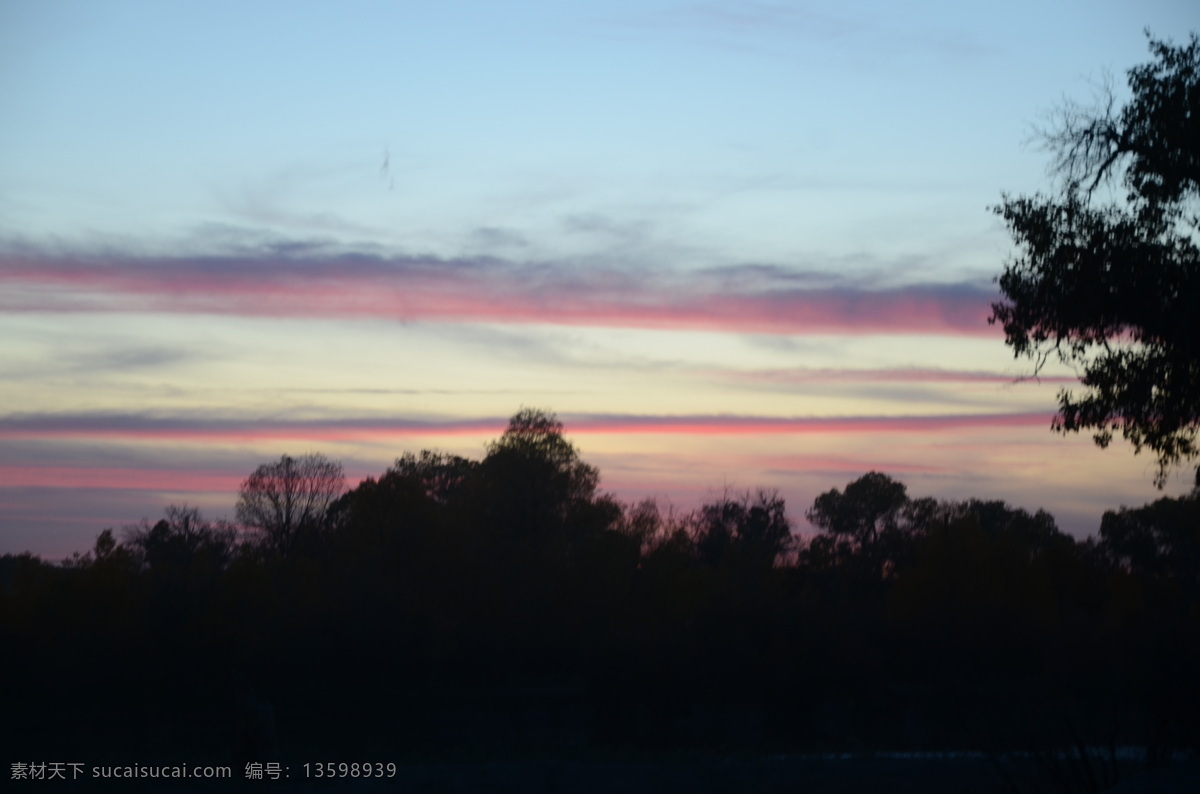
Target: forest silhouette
(460, 608)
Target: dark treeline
(506, 605)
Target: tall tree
(1112, 288)
(287, 499)
(1161, 539)
(870, 506)
(181, 538)
(534, 480)
(754, 529)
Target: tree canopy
(1112, 288)
(512, 593)
(533, 478)
(289, 498)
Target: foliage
(532, 484)
(177, 540)
(1111, 289)
(534, 444)
(867, 525)
(1160, 540)
(286, 501)
(511, 592)
(439, 475)
(746, 530)
(869, 507)
(1034, 532)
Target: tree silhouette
(178, 539)
(287, 500)
(533, 482)
(439, 475)
(535, 438)
(495, 589)
(748, 530)
(1159, 540)
(1112, 289)
(862, 521)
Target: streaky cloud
(134, 426)
(750, 425)
(751, 299)
(893, 375)
(792, 464)
(102, 477)
(218, 430)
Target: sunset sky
(732, 244)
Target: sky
(733, 245)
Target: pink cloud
(753, 300)
(138, 428)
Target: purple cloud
(752, 299)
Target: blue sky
(246, 215)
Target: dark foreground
(700, 773)
(501, 625)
